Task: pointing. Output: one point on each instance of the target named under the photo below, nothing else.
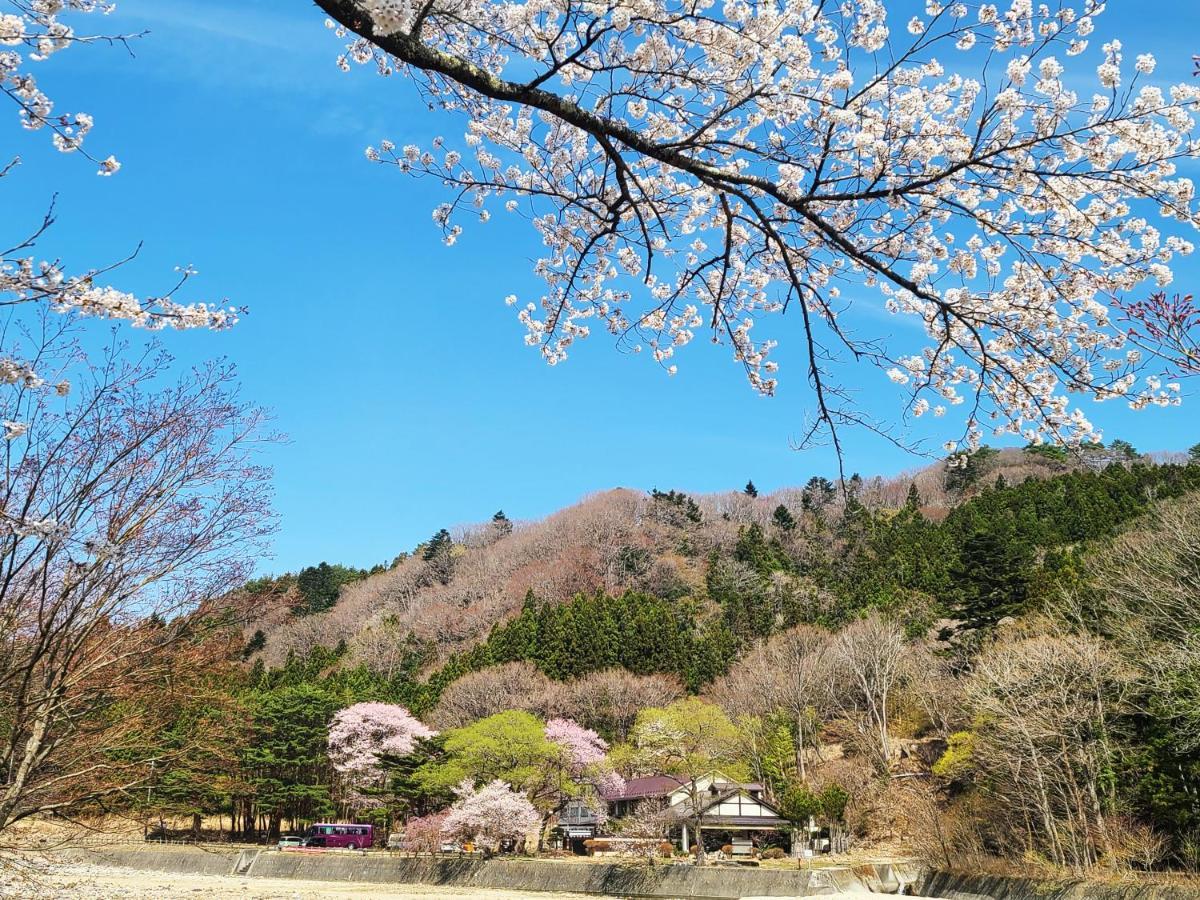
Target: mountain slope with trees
(968, 545)
(1000, 662)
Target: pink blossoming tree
(489, 815)
(582, 745)
(424, 833)
(361, 735)
(584, 771)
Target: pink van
(340, 834)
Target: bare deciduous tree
(383, 646)
(936, 689)
(1144, 594)
(515, 685)
(125, 506)
(790, 671)
(1045, 703)
(609, 701)
(868, 666)
(649, 826)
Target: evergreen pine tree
(913, 501)
(992, 576)
(417, 795)
(854, 485)
(818, 492)
(320, 585)
(783, 519)
(750, 490)
(256, 643)
(437, 544)
(1124, 449)
(437, 554)
(286, 757)
(501, 523)
(756, 551)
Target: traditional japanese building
(730, 812)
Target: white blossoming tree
(694, 166)
(489, 815)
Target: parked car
(290, 840)
(314, 841)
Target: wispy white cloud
(260, 24)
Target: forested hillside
(749, 562)
(1016, 635)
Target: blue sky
(389, 359)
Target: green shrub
(956, 761)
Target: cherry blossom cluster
(44, 529)
(360, 735)
(32, 31)
(493, 813)
(35, 31)
(586, 760)
(692, 169)
(423, 834)
(583, 746)
(26, 280)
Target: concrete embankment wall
(527, 875)
(662, 881)
(184, 860)
(956, 886)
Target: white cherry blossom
(695, 169)
(31, 33)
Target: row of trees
(507, 775)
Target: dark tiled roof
(650, 786)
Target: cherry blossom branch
(820, 152)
